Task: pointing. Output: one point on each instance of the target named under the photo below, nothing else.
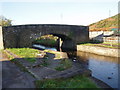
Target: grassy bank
(27, 53)
(64, 64)
(47, 40)
(78, 81)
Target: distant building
(116, 31)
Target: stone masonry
(23, 35)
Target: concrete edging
(99, 50)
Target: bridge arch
(63, 41)
(23, 35)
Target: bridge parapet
(23, 35)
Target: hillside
(106, 24)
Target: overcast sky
(73, 12)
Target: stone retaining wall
(99, 50)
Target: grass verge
(64, 64)
(27, 53)
(45, 63)
(102, 45)
(47, 40)
(78, 81)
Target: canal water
(106, 69)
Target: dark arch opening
(63, 42)
(46, 40)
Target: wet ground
(12, 76)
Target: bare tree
(4, 21)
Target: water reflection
(119, 76)
(43, 47)
(103, 68)
(88, 56)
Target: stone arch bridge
(23, 35)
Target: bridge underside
(23, 35)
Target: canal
(106, 69)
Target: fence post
(1, 38)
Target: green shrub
(48, 40)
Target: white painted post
(1, 38)
(1, 47)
